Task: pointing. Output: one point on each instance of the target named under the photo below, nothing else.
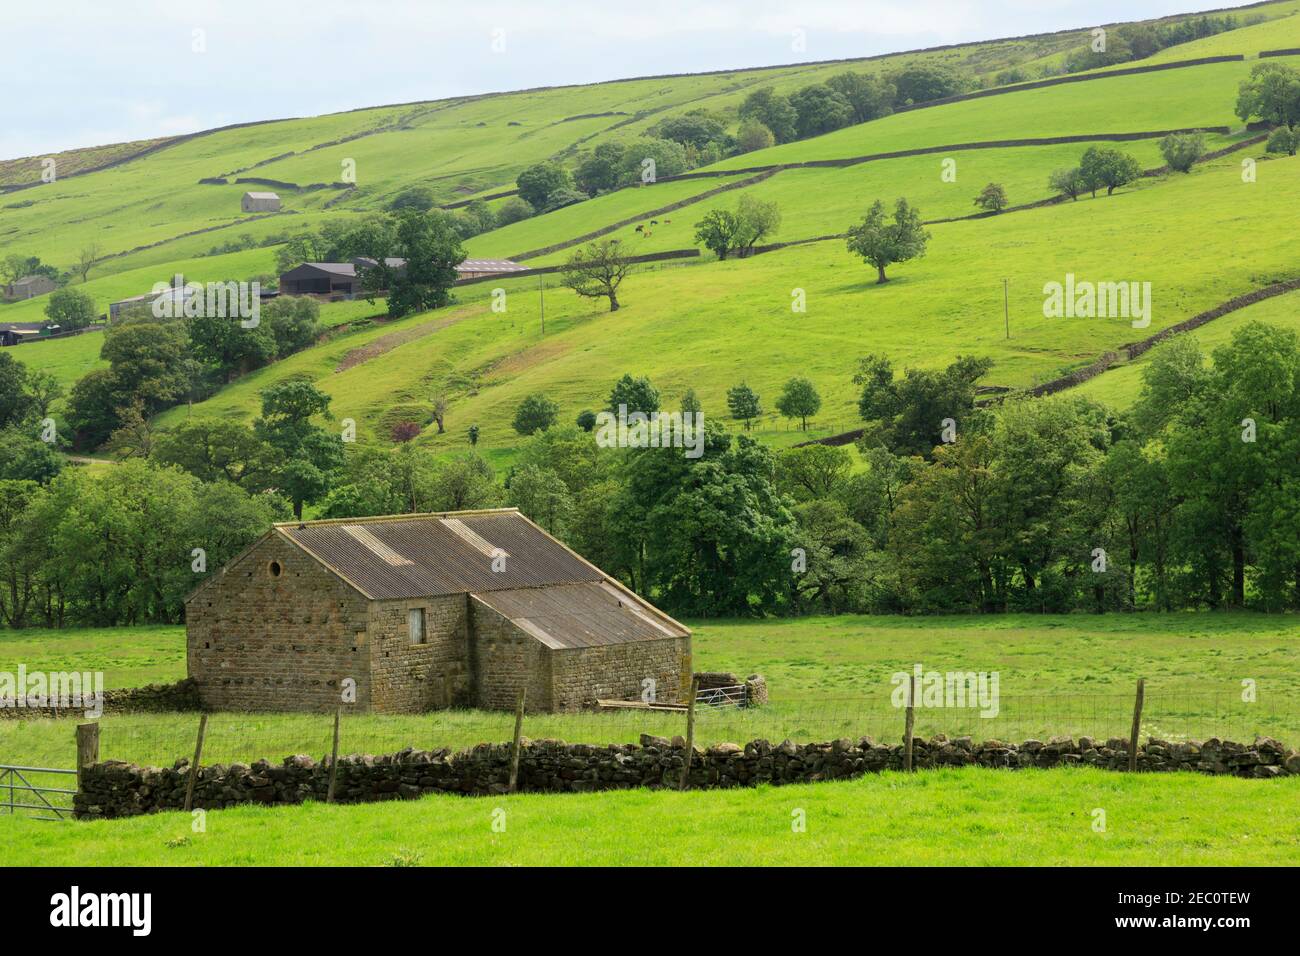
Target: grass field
(829, 677)
(949, 817)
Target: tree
(597, 271)
(1272, 94)
(906, 415)
(1181, 150)
(753, 135)
(637, 394)
(432, 251)
(820, 110)
(992, 198)
(217, 449)
(419, 198)
(309, 457)
(1283, 140)
(690, 403)
(1104, 166)
(696, 128)
(586, 419)
(538, 182)
(812, 471)
(513, 210)
(438, 408)
(869, 96)
(774, 111)
(42, 389)
(535, 413)
(756, 219)
(473, 435)
(648, 156)
(922, 83)
(90, 256)
(799, 399)
(743, 403)
(228, 347)
(542, 495)
(294, 323)
(15, 400)
(70, 309)
(709, 536)
(717, 231)
(475, 219)
(1067, 181)
(602, 170)
(24, 457)
(882, 243)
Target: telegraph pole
(541, 297)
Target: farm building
(476, 268)
(28, 287)
(424, 612)
(16, 333)
(260, 202)
(321, 278)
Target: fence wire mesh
(1174, 714)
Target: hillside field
(701, 323)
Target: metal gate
(17, 788)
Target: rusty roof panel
(422, 556)
(590, 614)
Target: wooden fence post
(1137, 725)
(87, 747)
(514, 748)
(334, 757)
(690, 730)
(908, 724)
(194, 767)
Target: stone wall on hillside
(151, 698)
(115, 789)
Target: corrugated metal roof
(430, 555)
(490, 265)
(581, 615)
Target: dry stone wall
(115, 789)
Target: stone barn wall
(260, 642)
(504, 659)
(616, 671)
(410, 678)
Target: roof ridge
(318, 522)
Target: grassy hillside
(708, 324)
(707, 327)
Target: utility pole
(1006, 308)
(541, 296)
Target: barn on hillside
(260, 202)
(425, 612)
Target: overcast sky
(88, 72)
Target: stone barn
(424, 612)
(260, 202)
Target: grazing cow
(654, 222)
(640, 228)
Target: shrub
(535, 413)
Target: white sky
(88, 72)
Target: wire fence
(161, 739)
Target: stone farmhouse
(419, 612)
